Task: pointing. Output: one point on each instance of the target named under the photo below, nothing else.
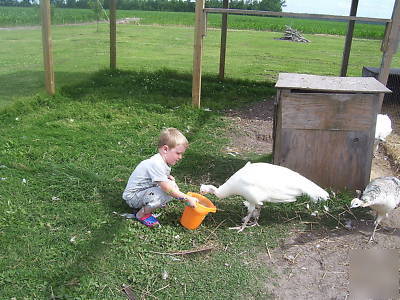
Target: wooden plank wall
(348, 112)
(327, 138)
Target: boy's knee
(153, 205)
(128, 196)
(148, 209)
(131, 200)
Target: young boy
(151, 186)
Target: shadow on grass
(168, 88)
(20, 84)
(218, 168)
(131, 84)
(163, 87)
(214, 169)
(28, 83)
(88, 253)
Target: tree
(71, 3)
(272, 5)
(57, 3)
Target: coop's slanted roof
(330, 83)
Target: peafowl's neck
(223, 191)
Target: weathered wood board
(333, 159)
(330, 83)
(324, 129)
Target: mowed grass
(251, 55)
(64, 163)
(19, 16)
(65, 160)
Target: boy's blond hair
(172, 137)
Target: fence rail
(297, 15)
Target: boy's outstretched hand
(191, 201)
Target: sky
(366, 8)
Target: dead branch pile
(293, 35)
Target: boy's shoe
(148, 220)
(131, 215)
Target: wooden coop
(324, 127)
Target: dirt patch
(315, 264)
(312, 264)
(251, 129)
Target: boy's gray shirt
(147, 174)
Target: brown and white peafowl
(263, 182)
(382, 195)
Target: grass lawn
(252, 55)
(65, 160)
(23, 16)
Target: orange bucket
(192, 217)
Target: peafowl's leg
(255, 215)
(372, 238)
(378, 220)
(376, 147)
(245, 220)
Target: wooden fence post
(349, 39)
(47, 47)
(389, 46)
(113, 35)
(224, 28)
(198, 52)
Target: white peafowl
(382, 195)
(263, 182)
(382, 130)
